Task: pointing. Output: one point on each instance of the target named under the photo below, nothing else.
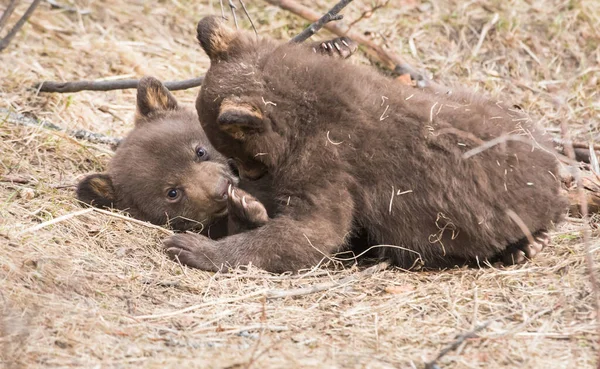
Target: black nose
(233, 167)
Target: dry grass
(72, 294)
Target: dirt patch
(96, 290)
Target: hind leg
(520, 252)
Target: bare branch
(368, 13)
(222, 10)
(10, 8)
(233, 8)
(65, 87)
(19, 119)
(11, 34)
(390, 60)
(249, 18)
(331, 15)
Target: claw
(337, 46)
(345, 43)
(244, 203)
(324, 45)
(229, 189)
(233, 194)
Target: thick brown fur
(159, 154)
(350, 150)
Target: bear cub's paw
(244, 209)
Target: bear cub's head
(165, 171)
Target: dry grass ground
(95, 290)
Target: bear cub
(166, 171)
(349, 150)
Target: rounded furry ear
(238, 118)
(97, 190)
(214, 36)
(153, 97)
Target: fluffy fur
(351, 150)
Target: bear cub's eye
(173, 194)
(201, 153)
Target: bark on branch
(390, 60)
(331, 15)
(124, 84)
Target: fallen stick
(124, 84)
(331, 15)
(13, 32)
(10, 8)
(390, 60)
(19, 119)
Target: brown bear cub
(167, 172)
(349, 150)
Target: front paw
(340, 47)
(193, 250)
(244, 210)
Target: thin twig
(576, 145)
(19, 119)
(12, 33)
(484, 31)
(454, 345)
(10, 8)
(273, 294)
(331, 15)
(249, 18)
(124, 84)
(390, 60)
(101, 211)
(233, 8)
(570, 151)
(222, 10)
(369, 13)
(61, 218)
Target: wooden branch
(22, 120)
(249, 17)
(331, 15)
(390, 60)
(10, 8)
(11, 34)
(65, 87)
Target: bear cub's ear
(214, 36)
(153, 97)
(238, 118)
(97, 190)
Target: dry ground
(94, 290)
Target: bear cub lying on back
(349, 150)
(166, 171)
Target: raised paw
(193, 250)
(526, 250)
(340, 47)
(245, 209)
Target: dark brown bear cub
(167, 172)
(349, 149)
